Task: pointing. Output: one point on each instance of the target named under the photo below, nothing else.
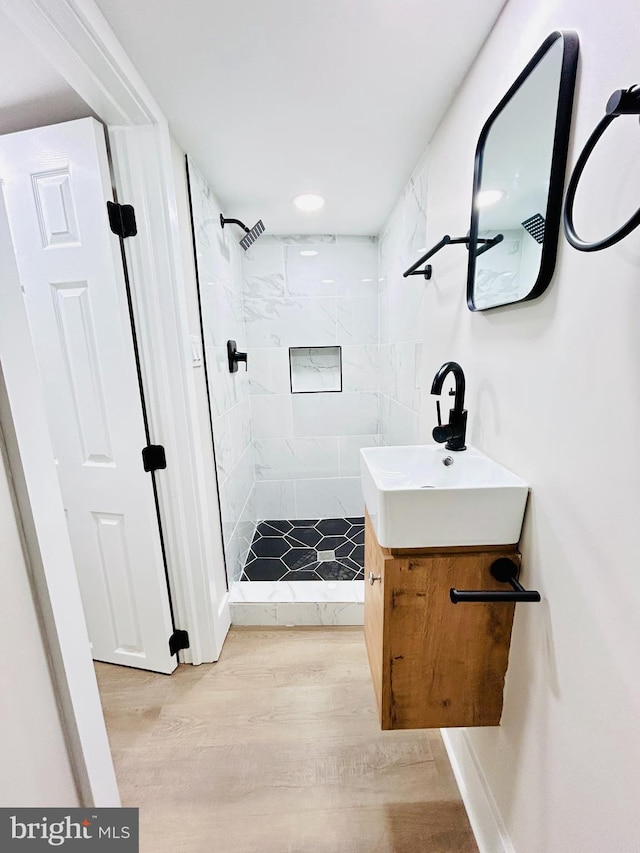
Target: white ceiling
(277, 97)
(33, 93)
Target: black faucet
(453, 432)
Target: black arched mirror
(520, 165)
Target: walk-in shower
(288, 430)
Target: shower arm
(224, 222)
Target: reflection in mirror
(518, 180)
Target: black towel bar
(505, 571)
(446, 241)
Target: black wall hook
(503, 570)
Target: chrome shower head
(251, 234)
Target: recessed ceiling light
(308, 253)
(308, 202)
(366, 279)
(327, 281)
(485, 198)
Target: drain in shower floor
(307, 549)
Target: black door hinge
(177, 641)
(153, 457)
(122, 219)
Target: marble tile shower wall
(306, 445)
(220, 281)
(401, 314)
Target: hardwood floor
(277, 749)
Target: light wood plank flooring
(277, 749)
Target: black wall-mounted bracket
(503, 570)
(234, 357)
(427, 272)
(450, 241)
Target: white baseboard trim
(485, 819)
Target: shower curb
(297, 603)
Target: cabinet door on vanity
(433, 663)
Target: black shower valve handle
(234, 357)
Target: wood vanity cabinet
(435, 664)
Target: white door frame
(75, 37)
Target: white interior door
(56, 183)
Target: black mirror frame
(553, 216)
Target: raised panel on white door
(56, 184)
(116, 571)
(78, 344)
(56, 209)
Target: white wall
(401, 304)
(34, 93)
(36, 770)
(307, 445)
(193, 312)
(554, 394)
(220, 283)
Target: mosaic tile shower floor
(327, 549)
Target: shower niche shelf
(315, 369)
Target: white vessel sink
(422, 496)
